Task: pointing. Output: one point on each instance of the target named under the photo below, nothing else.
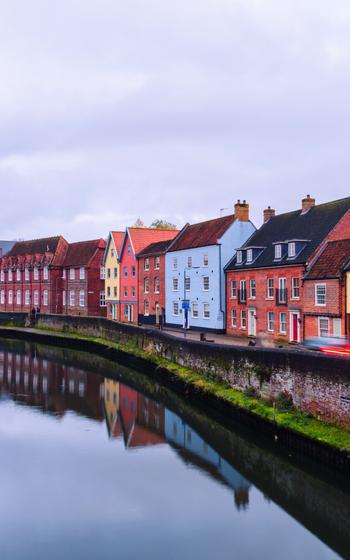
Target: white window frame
(243, 325)
(157, 263)
(195, 310)
(320, 329)
(294, 288)
(239, 257)
(64, 298)
(2, 297)
(187, 283)
(234, 318)
(175, 285)
(26, 274)
(205, 260)
(291, 250)
(317, 302)
(251, 281)
(146, 285)
(27, 297)
(81, 298)
(206, 310)
(36, 273)
(9, 276)
(281, 322)
(175, 308)
(2, 276)
(102, 273)
(174, 263)
(146, 308)
(46, 298)
(10, 297)
(71, 298)
(18, 275)
(72, 274)
(157, 285)
(36, 297)
(45, 273)
(18, 297)
(233, 285)
(249, 255)
(270, 287)
(146, 264)
(82, 273)
(270, 321)
(206, 279)
(243, 282)
(278, 252)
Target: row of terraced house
(287, 280)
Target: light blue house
(182, 436)
(194, 270)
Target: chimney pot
(268, 213)
(307, 203)
(241, 211)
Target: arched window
(146, 307)
(10, 297)
(18, 297)
(71, 298)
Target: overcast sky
(112, 110)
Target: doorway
(294, 326)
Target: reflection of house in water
(51, 386)
(139, 420)
(194, 450)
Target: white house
(194, 270)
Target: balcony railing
(281, 296)
(242, 296)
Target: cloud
(110, 111)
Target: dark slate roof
(313, 226)
(5, 246)
(34, 246)
(203, 234)
(158, 248)
(80, 253)
(331, 262)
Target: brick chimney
(269, 213)
(307, 203)
(242, 211)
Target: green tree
(162, 224)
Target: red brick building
(135, 241)
(151, 265)
(82, 279)
(264, 280)
(324, 289)
(30, 275)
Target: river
(99, 462)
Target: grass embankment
(291, 419)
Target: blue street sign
(186, 304)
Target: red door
(295, 328)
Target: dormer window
(239, 257)
(249, 255)
(278, 251)
(291, 250)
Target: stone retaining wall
(318, 384)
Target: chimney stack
(269, 213)
(307, 203)
(242, 211)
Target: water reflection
(57, 383)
